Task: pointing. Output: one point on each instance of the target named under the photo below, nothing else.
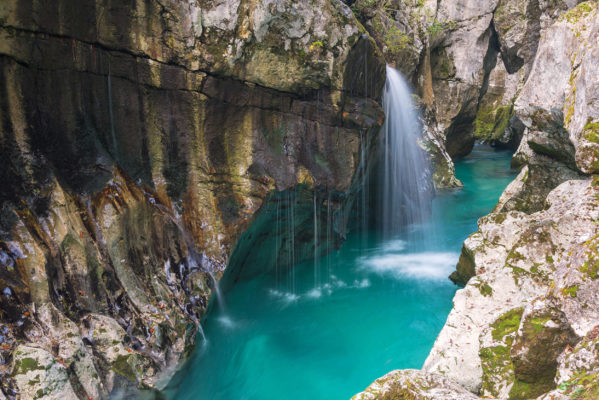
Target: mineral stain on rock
(144, 147)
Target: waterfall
(316, 266)
(195, 259)
(111, 114)
(406, 196)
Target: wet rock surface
(139, 141)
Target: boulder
(416, 385)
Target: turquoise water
(376, 305)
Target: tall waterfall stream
(353, 315)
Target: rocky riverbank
(526, 322)
(138, 142)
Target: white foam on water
(394, 245)
(286, 297)
(226, 321)
(415, 265)
(319, 291)
(364, 283)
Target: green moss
(591, 269)
(507, 323)
(570, 291)
(515, 255)
(321, 161)
(123, 366)
(491, 122)
(580, 11)
(536, 325)
(498, 218)
(583, 386)
(68, 242)
(496, 362)
(485, 289)
(591, 132)
(522, 391)
(570, 113)
(28, 364)
(275, 138)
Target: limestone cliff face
(525, 323)
(468, 61)
(138, 141)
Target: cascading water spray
(405, 184)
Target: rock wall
(525, 323)
(139, 139)
(468, 62)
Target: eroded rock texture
(138, 141)
(525, 324)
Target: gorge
(207, 199)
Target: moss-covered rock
(579, 369)
(414, 385)
(491, 123)
(520, 257)
(39, 375)
(543, 334)
(496, 344)
(465, 268)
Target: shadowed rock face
(138, 140)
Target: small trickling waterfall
(405, 197)
(111, 113)
(196, 260)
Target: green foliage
(396, 40)
(485, 290)
(580, 11)
(317, 44)
(437, 27)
